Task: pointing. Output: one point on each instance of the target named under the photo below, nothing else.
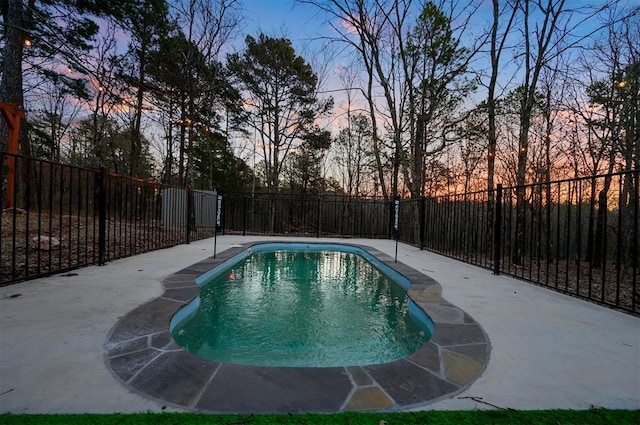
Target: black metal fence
(58, 217)
(577, 236)
(306, 215)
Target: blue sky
(298, 22)
(305, 26)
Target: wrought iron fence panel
(48, 224)
(305, 215)
(576, 236)
(60, 217)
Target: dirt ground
(38, 244)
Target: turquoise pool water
(304, 306)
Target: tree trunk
(518, 251)
(496, 51)
(11, 84)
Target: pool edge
(141, 353)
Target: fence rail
(62, 217)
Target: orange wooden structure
(12, 114)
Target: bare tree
(352, 148)
(612, 118)
(412, 71)
(435, 64)
(499, 34)
(208, 25)
(472, 136)
(367, 27)
(104, 97)
(549, 29)
(57, 108)
(353, 154)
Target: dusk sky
(307, 29)
(297, 21)
(303, 24)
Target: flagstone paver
(141, 353)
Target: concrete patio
(547, 350)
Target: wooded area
(435, 97)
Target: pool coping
(141, 353)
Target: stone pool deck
(547, 350)
(141, 352)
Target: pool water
(304, 308)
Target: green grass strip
(496, 417)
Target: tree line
(433, 96)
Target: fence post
(318, 219)
(244, 216)
(497, 231)
(189, 212)
(423, 212)
(101, 194)
(390, 222)
(634, 251)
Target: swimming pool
(304, 305)
(141, 352)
